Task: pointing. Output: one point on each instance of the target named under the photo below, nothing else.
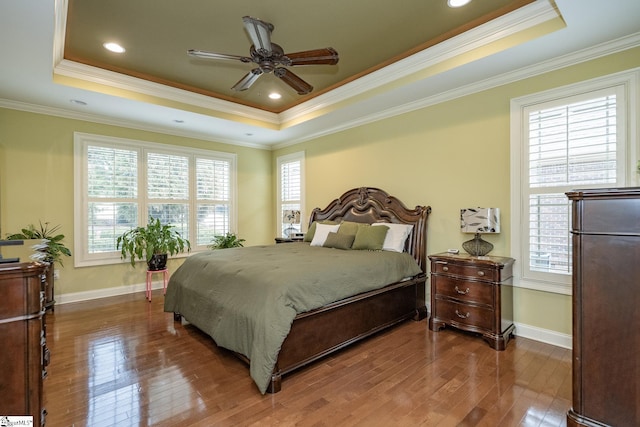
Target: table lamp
(479, 221)
(292, 217)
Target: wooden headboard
(369, 205)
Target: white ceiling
(30, 48)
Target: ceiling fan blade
(249, 79)
(212, 55)
(328, 56)
(259, 33)
(293, 80)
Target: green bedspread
(246, 298)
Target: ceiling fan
(270, 57)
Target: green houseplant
(51, 250)
(152, 244)
(229, 240)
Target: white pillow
(396, 236)
(322, 231)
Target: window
(290, 193)
(566, 139)
(120, 184)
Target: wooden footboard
(320, 332)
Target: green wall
(36, 184)
(449, 156)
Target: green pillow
(339, 240)
(308, 237)
(370, 238)
(349, 227)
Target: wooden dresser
(473, 294)
(24, 354)
(606, 307)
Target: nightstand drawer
(478, 317)
(464, 290)
(467, 271)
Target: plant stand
(165, 280)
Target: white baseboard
(104, 293)
(544, 335)
(522, 330)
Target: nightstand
(289, 239)
(473, 294)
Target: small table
(165, 279)
(473, 294)
(289, 239)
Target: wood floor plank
(122, 361)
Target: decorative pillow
(349, 227)
(312, 229)
(370, 238)
(396, 236)
(339, 240)
(321, 233)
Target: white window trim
(82, 140)
(630, 81)
(300, 155)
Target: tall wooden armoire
(24, 354)
(606, 307)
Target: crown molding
(108, 78)
(130, 124)
(536, 12)
(595, 52)
(112, 79)
(591, 53)
(514, 22)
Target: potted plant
(229, 240)
(50, 250)
(152, 244)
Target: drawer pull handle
(480, 273)
(445, 268)
(466, 291)
(462, 316)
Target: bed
(309, 300)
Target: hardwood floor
(124, 362)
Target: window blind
(112, 186)
(119, 184)
(290, 193)
(570, 146)
(213, 199)
(168, 190)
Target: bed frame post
(276, 382)
(421, 301)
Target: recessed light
(457, 3)
(114, 47)
(275, 95)
(77, 102)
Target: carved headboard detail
(369, 205)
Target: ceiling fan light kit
(271, 58)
